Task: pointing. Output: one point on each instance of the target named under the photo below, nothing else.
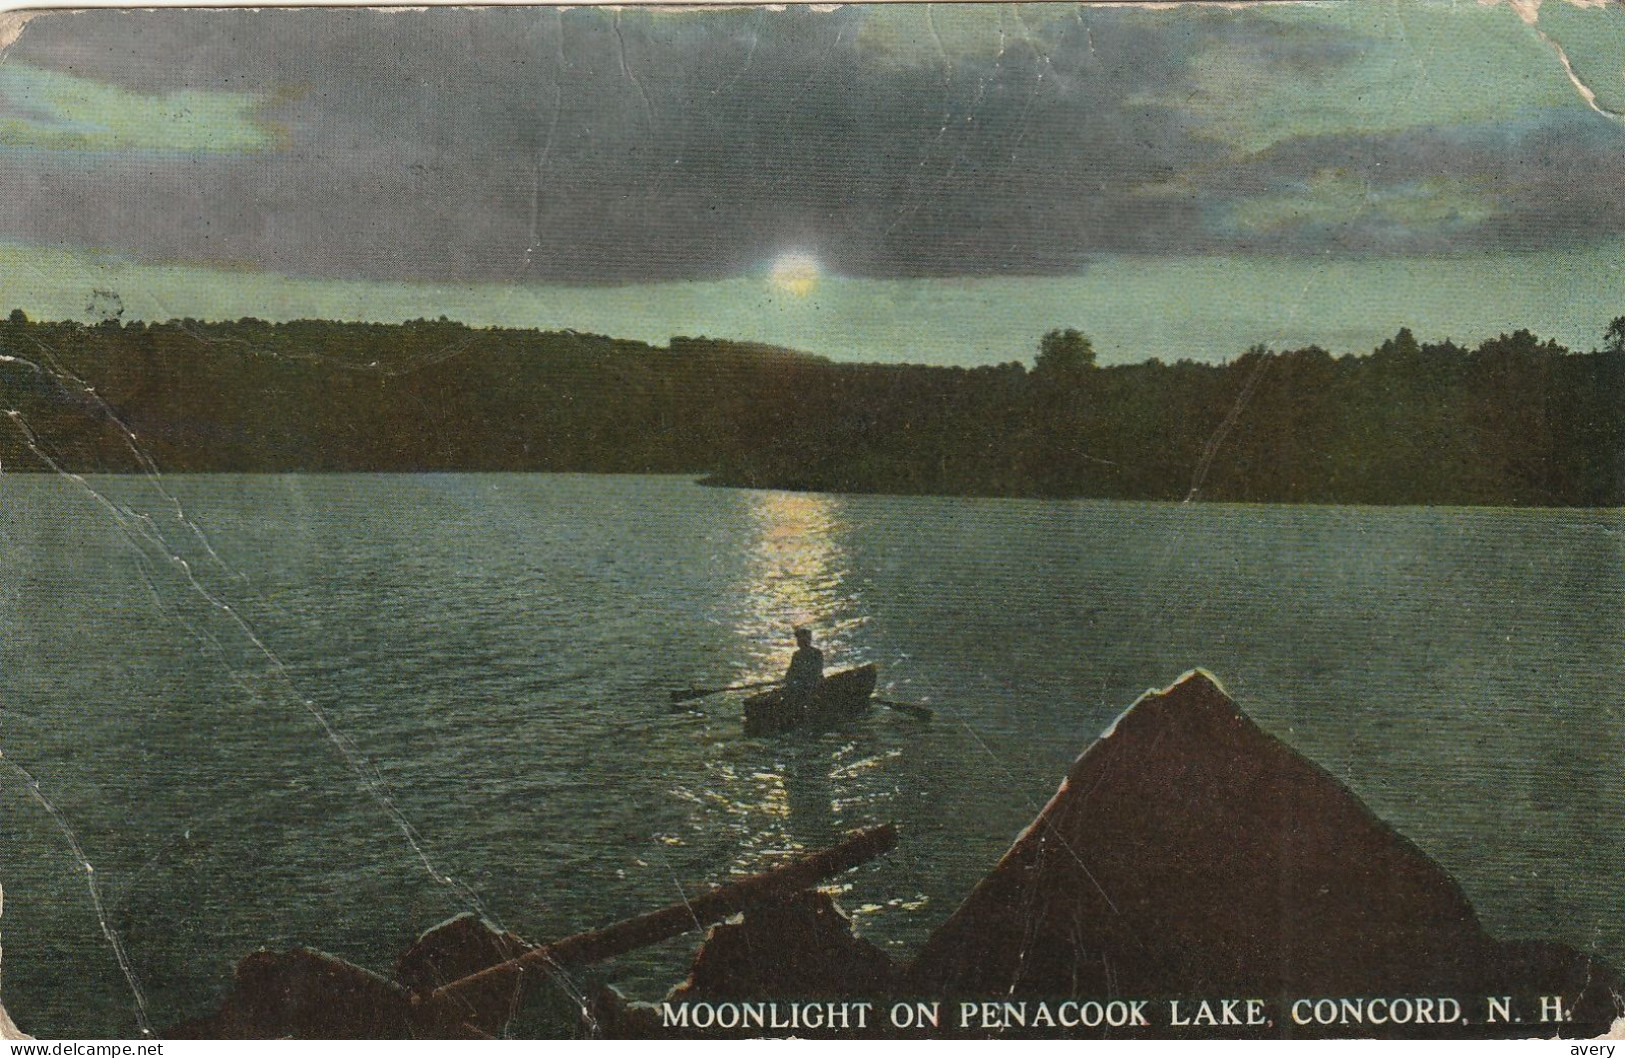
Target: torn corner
(11, 27)
(8, 1028)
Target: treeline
(1513, 421)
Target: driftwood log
(596, 945)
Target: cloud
(602, 146)
(1334, 198)
(1543, 181)
(594, 146)
(51, 110)
(1290, 72)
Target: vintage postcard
(864, 521)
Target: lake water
(333, 711)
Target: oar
(918, 712)
(704, 692)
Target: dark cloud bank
(534, 145)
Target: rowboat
(841, 697)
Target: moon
(795, 273)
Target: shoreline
(704, 479)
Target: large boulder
(1189, 853)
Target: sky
(927, 183)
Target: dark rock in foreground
(310, 995)
(304, 995)
(1189, 853)
(801, 947)
(798, 948)
(455, 949)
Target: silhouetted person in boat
(806, 670)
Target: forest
(1513, 421)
